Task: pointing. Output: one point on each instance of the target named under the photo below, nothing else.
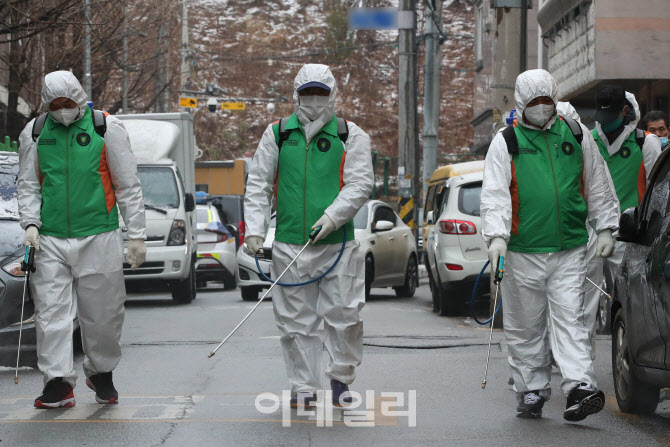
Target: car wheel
(229, 282)
(411, 279)
(632, 395)
(604, 316)
(433, 291)
(444, 297)
(250, 293)
(369, 275)
(183, 292)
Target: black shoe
(530, 406)
(102, 384)
(341, 394)
(303, 399)
(583, 400)
(57, 393)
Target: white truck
(164, 146)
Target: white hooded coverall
(595, 266)
(537, 283)
(79, 276)
(338, 298)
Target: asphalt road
(171, 394)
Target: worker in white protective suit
(75, 167)
(630, 154)
(542, 180)
(320, 170)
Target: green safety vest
(77, 193)
(548, 208)
(627, 170)
(309, 178)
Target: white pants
(336, 300)
(534, 285)
(81, 276)
(595, 272)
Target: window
(159, 186)
(656, 206)
(430, 197)
(469, 198)
(479, 33)
(202, 187)
(384, 213)
(661, 103)
(361, 218)
(443, 204)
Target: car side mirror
(383, 225)
(628, 225)
(189, 202)
(430, 218)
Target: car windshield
(159, 186)
(361, 218)
(8, 201)
(11, 237)
(469, 198)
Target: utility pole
(431, 90)
(185, 67)
(407, 115)
(524, 36)
(87, 50)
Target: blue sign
(373, 18)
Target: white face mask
(540, 114)
(313, 106)
(65, 116)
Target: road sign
(373, 18)
(188, 102)
(233, 106)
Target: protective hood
(566, 110)
(630, 123)
(321, 74)
(530, 85)
(63, 84)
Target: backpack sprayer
(312, 235)
(27, 266)
(498, 277)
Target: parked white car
(388, 244)
(248, 279)
(455, 249)
(217, 260)
(391, 258)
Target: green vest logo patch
(625, 152)
(83, 139)
(323, 144)
(568, 148)
(527, 150)
(47, 142)
(290, 143)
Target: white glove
(254, 243)
(327, 227)
(497, 248)
(605, 244)
(137, 253)
(32, 237)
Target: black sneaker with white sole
(102, 384)
(530, 406)
(56, 394)
(583, 400)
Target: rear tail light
(241, 231)
(219, 229)
(450, 226)
(454, 267)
